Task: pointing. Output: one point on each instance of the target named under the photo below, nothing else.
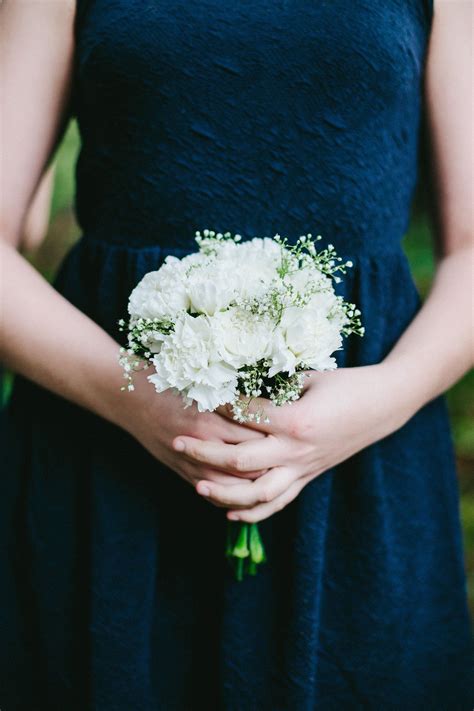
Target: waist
(181, 241)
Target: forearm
(48, 340)
(436, 349)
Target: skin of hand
(145, 408)
(339, 413)
(348, 409)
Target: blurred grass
(63, 232)
(64, 172)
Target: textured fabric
(253, 117)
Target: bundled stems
(245, 550)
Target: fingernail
(179, 445)
(232, 517)
(204, 490)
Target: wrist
(127, 408)
(399, 391)
(105, 394)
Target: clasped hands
(339, 413)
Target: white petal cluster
(229, 319)
(160, 294)
(190, 362)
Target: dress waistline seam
(355, 253)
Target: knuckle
(196, 425)
(194, 453)
(265, 496)
(298, 426)
(294, 428)
(199, 452)
(239, 462)
(190, 448)
(203, 425)
(190, 452)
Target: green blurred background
(63, 232)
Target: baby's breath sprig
(241, 412)
(269, 305)
(208, 240)
(303, 252)
(250, 386)
(130, 364)
(143, 330)
(353, 323)
(140, 333)
(286, 389)
(254, 382)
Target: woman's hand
(155, 420)
(339, 413)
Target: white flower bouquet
(238, 320)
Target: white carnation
(282, 358)
(311, 335)
(189, 361)
(160, 294)
(212, 287)
(241, 338)
(251, 265)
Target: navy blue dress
(252, 117)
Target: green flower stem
(241, 548)
(257, 551)
(244, 548)
(252, 567)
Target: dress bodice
(253, 117)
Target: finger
(267, 509)
(224, 480)
(249, 493)
(238, 458)
(234, 432)
(211, 425)
(267, 417)
(193, 475)
(217, 477)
